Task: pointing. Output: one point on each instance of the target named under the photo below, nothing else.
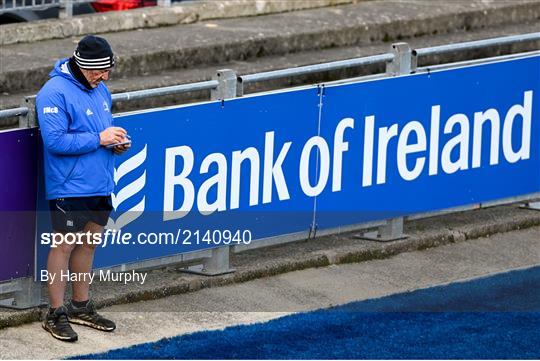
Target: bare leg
(57, 263)
(81, 261)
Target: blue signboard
(231, 172)
(432, 141)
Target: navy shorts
(72, 214)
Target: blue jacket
(70, 118)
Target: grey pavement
(339, 248)
(264, 299)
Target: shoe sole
(78, 321)
(61, 338)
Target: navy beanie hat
(93, 53)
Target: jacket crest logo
(53, 110)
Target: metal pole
(218, 262)
(14, 112)
(471, 45)
(403, 63)
(317, 68)
(28, 119)
(175, 89)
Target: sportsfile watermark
(185, 237)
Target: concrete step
(25, 67)
(181, 76)
(185, 12)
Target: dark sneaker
(87, 316)
(57, 325)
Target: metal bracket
(404, 62)
(226, 88)
(391, 231)
(216, 264)
(29, 120)
(312, 233)
(534, 206)
(20, 293)
(239, 87)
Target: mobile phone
(128, 141)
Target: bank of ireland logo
(128, 191)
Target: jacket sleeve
(109, 96)
(54, 121)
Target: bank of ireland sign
(281, 163)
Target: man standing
(74, 112)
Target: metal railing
(155, 92)
(28, 4)
(317, 68)
(41, 4)
(478, 44)
(14, 112)
(305, 70)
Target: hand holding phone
(127, 140)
